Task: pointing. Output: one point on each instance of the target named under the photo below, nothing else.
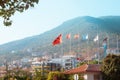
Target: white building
(88, 71)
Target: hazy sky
(48, 14)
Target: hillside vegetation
(105, 26)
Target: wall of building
(92, 76)
(88, 76)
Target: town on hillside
(85, 67)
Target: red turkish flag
(58, 40)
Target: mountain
(42, 44)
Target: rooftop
(84, 68)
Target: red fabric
(58, 40)
(78, 58)
(68, 36)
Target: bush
(55, 76)
(111, 67)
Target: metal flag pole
(78, 44)
(88, 51)
(70, 44)
(78, 47)
(87, 47)
(108, 41)
(117, 45)
(98, 46)
(62, 52)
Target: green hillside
(42, 44)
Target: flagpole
(76, 37)
(78, 45)
(56, 41)
(70, 45)
(98, 46)
(108, 41)
(117, 45)
(87, 47)
(98, 53)
(62, 50)
(88, 51)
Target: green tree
(18, 74)
(55, 76)
(9, 7)
(37, 75)
(111, 67)
(89, 62)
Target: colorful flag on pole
(105, 46)
(58, 40)
(76, 36)
(68, 36)
(85, 37)
(96, 38)
(105, 49)
(105, 40)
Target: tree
(111, 67)
(89, 62)
(9, 7)
(18, 74)
(56, 75)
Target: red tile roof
(84, 68)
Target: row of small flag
(58, 39)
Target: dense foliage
(55, 76)
(40, 74)
(71, 77)
(111, 67)
(9, 7)
(17, 74)
(89, 62)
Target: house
(88, 72)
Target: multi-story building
(69, 62)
